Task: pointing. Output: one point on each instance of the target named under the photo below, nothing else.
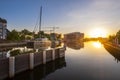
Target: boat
(39, 43)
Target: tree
(13, 35)
(26, 32)
(118, 36)
(111, 38)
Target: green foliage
(13, 35)
(15, 52)
(111, 38)
(18, 36)
(26, 32)
(42, 34)
(18, 52)
(118, 35)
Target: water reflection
(55, 44)
(75, 45)
(94, 64)
(40, 72)
(97, 44)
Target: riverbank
(114, 46)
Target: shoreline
(114, 46)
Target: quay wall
(4, 68)
(41, 71)
(14, 65)
(2, 45)
(113, 50)
(113, 46)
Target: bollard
(53, 54)
(61, 52)
(36, 50)
(11, 67)
(31, 60)
(44, 57)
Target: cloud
(99, 13)
(100, 9)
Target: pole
(40, 21)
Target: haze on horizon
(70, 15)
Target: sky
(69, 15)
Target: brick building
(74, 37)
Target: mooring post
(53, 54)
(61, 52)
(44, 57)
(31, 60)
(11, 67)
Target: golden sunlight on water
(97, 44)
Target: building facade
(3, 28)
(74, 37)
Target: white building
(3, 28)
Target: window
(0, 30)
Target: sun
(98, 32)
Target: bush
(15, 52)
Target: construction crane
(53, 28)
(48, 31)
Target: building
(74, 37)
(116, 41)
(3, 28)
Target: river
(85, 61)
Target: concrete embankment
(113, 46)
(16, 64)
(114, 50)
(12, 44)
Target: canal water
(82, 61)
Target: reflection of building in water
(114, 52)
(75, 45)
(42, 71)
(55, 44)
(74, 37)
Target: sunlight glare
(98, 33)
(97, 44)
